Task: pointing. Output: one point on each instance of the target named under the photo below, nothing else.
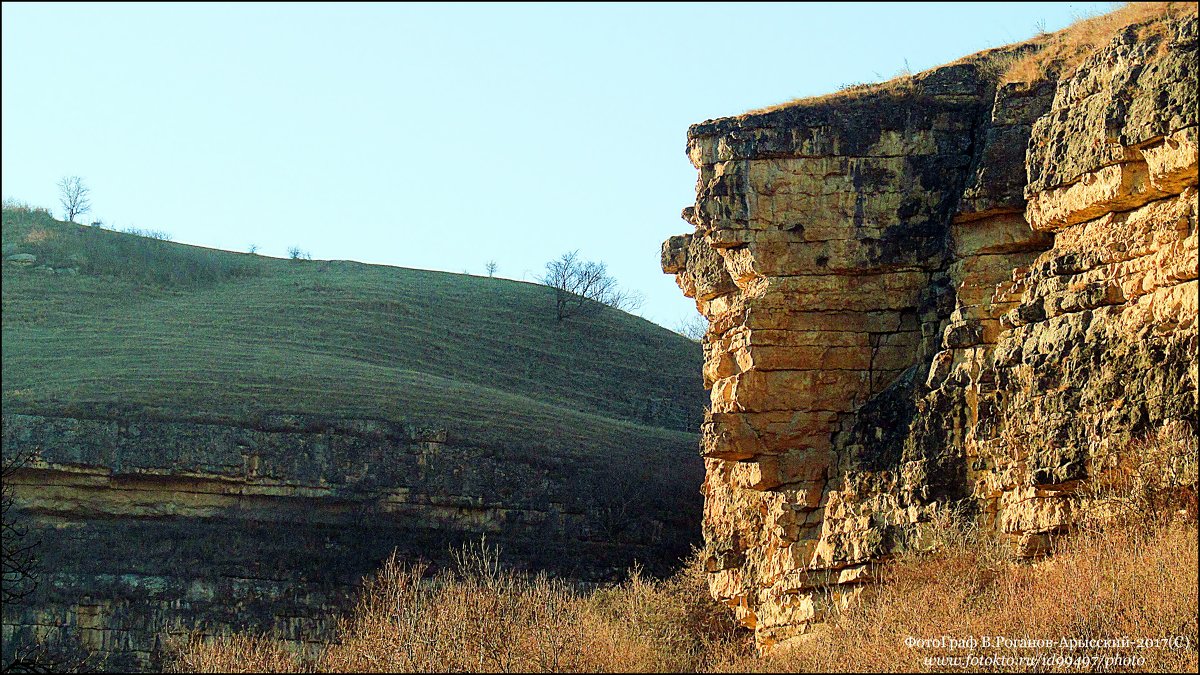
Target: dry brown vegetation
(478, 617)
(1060, 52)
(1099, 585)
(1047, 56)
(1128, 571)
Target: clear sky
(433, 136)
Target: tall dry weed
(238, 653)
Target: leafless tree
(16, 542)
(581, 285)
(73, 196)
(692, 327)
(491, 268)
(18, 550)
(297, 253)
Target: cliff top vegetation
(1048, 56)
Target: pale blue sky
(433, 136)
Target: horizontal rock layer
(151, 527)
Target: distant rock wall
(934, 293)
(150, 528)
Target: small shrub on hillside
(297, 253)
(580, 286)
(149, 234)
(692, 326)
(20, 207)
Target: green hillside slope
(105, 322)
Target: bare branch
(580, 285)
(17, 547)
(73, 196)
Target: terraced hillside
(176, 400)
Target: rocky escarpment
(150, 528)
(936, 293)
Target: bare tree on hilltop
(73, 195)
(582, 285)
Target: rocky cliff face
(156, 527)
(936, 293)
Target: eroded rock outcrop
(939, 292)
(151, 528)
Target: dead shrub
(480, 617)
(1143, 484)
(238, 653)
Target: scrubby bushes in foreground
(478, 617)
(1118, 594)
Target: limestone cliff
(936, 292)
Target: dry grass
(1128, 570)
(895, 87)
(481, 618)
(1128, 573)
(1062, 51)
(237, 654)
(1119, 583)
(1048, 56)
(1146, 483)
(1102, 584)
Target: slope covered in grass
(106, 322)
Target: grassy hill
(106, 322)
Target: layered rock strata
(935, 293)
(151, 528)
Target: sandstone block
(1001, 233)
(1119, 187)
(1172, 163)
